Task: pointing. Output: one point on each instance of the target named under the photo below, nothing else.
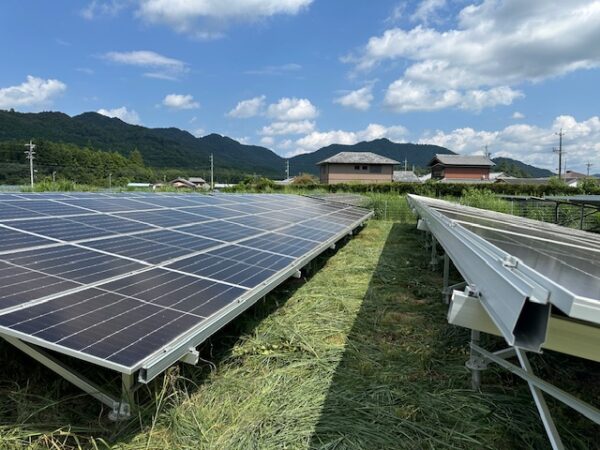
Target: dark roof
(196, 180)
(358, 158)
(406, 176)
(510, 180)
(461, 160)
(571, 174)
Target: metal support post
(72, 376)
(537, 386)
(540, 403)
(433, 262)
(445, 296)
(476, 362)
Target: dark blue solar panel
(224, 231)
(262, 223)
(278, 243)
(73, 263)
(21, 285)
(12, 240)
(164, 218)
(304, 232)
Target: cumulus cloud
(283, 128)
(275, 70)
(403, 96)
(528, 143)
(180, 101)
(126, 115)
(248, 108)
(317, 139)
(267, 141)
(292, 109)
(200, 17)
(34, 92)
(99, 8)
(494, 44)
(518, 115)
(159, 66)
(427, 10)
(359, 99)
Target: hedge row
(432, 189)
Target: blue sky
(294, 75)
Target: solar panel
(123, 280)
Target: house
(190, 183)
(405, 176)
(459, 168)
(573, 178)
(357, 167)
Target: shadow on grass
(402, 383)
(37, 405)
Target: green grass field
(357, 356)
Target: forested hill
(515, 168)
(415, 154)
(160, 147)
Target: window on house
(356, 167)
(375, 169)
(364, 168)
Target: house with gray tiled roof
(357, 167)
(460, 167)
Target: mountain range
(175, 148)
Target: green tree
(136, 158)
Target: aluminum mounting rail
(517, 298)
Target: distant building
(405, 176)
(190, 183)
(357, 167)
(573, 178)
(459, 168)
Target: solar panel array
(114, 278)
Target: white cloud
(160, 66)
(518, 115)
(359, 99)
(267, 141)
(199, 132)
(494, 44)
(528, 143)
(32, 93)
(275, 70)
(180, 101)
(126, 115)
(248, 108)
(292, 109)
(427, 10)
(99, 8)
(200, 17)
(317, 139)
(282, 128)
(404, 95)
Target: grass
(358, 355)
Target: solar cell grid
(13, 240)
(109, 300)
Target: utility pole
(287, 169)
(212, 173)
(405, 164)
(30, 156)
(109, 180)
(54, 176)
(588, 165)
(486, 152)
(560, 135)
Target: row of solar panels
(520, 267)
(114, 279)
